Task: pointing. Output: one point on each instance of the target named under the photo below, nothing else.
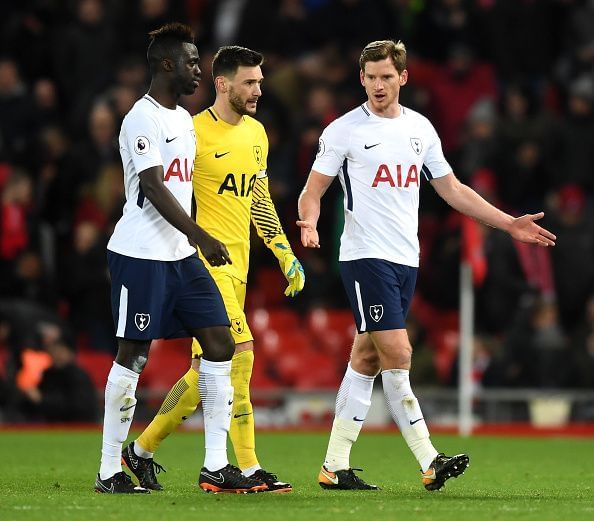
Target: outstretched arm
(467, 201)
(309, 207)
(151, 182)
(269, 228)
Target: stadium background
(509, 87)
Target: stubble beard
(239, 105)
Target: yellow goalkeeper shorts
(233, 292)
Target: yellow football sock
(242, 421)
(179, 404)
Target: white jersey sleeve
(332, 151)
(140, 133)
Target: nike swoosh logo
(217, 479)
(230, 402)
(217, 155)
(169, 140)
(122, 408)
(102, 486)
(367, 147)
(332, 479)
(240, 415)
(413, 422)
(358, 419)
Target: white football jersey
(379, 162)
(154, 135)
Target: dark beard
(238, 105)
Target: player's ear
(168, 64)
(220, 84)
(403, 77)
(362, 77)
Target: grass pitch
(50, 475)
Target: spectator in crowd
(573, 272)
(584, 349)
(85, 284)
(65, 392)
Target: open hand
(309, 234)
(526, 230)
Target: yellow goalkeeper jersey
(229, 160)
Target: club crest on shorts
(416, 144)
(237, 325)
(376, 312)
(142, 320)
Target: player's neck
(163, 94)
(391, 111)
(226, 113)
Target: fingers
(216, 260)
(309, 239)
(309, 235)
(535, 234)
(219, 258)
(547, 234)
(543, 240)
(225, 255)
(296, 278)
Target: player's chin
(190, 88)
(250, 109)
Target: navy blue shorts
(162, 299)
(379, 291)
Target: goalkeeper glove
(289, 264)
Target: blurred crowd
(507, 83)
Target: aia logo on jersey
(175, 170)
(142, 320)
(417, 145)
(141, 145)
(241, 187)
(395, 177)
(376, 312)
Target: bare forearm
(309, 207)
(467, 201)
(168, 206)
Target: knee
(403, 355)
(221, 348)
(133, 356)
(365, 362)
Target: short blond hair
(382, 49)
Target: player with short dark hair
(231, 188)
(379, 151)
(160, 288)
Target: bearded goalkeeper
(231, 189)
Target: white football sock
(352, 404)
(140, 452)
(216, 391)
(405, 411)
(119, 411)
(250, 470)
